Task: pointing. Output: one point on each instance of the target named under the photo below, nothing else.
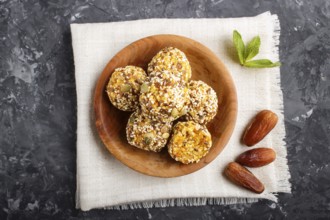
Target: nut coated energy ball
(124, 85)
(146, 134)
(189, 142)
(203, 102)
(164, 97)
(173, 60)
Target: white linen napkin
(104, 182)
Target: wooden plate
(111, 122)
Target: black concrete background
(38, 105)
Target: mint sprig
(245, 54)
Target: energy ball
(124, 85)
(203, 102)
(164, 97)
(173, 60)
(189, 142)
(146, 134)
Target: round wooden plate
(111, 122)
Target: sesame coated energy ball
(146, 134)
(173, 60)
(124, 85)
(189, 142)
(164, 97)
(203, 102)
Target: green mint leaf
(263, 63)
(252, 49)
(245, 54)
(240, 47)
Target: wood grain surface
(111, 122)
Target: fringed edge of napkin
(176, 202)
(283, 174)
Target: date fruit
(259, 127)
(243, 177)
(256, 157)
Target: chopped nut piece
(175, 113)
(125, 88)
(147, 140)
(165, 135)
(183, 111)
(164, 129)
(144, 88)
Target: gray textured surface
(38, 105)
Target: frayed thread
(283, 174)
(183, 202)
